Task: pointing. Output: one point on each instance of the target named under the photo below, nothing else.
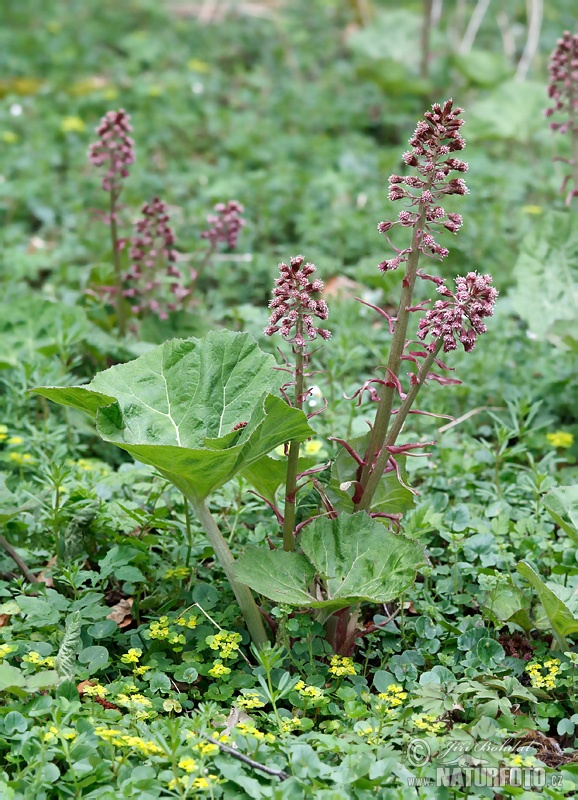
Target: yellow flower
(6, 649)
(539, 680)
(141, 670)
(219, 669)
(132, 656)
(198, 66)
(174, 783)
(95, 691)
(250, 700)
(15, 440)
(308, 691)
(35, 658)
(3, 432)
(427, 723)
(178, 572)
(560, 439)
(72, 125)
(190, 623)
(246, 729)
(312, 447)
(188, 764)
(342, 665)
(226, 642)
(51, 733)
(9, 137)
(289, 725)
(532, 209)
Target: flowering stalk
(563, 90)
(224, 228)
(435, 140)
(114, 150)
(293, 308)
(152, 252)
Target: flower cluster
(427, 723)
(563, 88)
(178, 573)
(225, 224)
(219, 670)
(132, 657)
(538, 679)
(66, 733)
(342, 665)
(6, 649)
(561, 439)
(248, 729)
(391, 700)
(114, 148)
(94, 690)
(435, 140)
(459, 318)
(162, 630)
(119, 738)
(152, 252)
(290, 724)
(308, 691)
(226, 642)
(293, 305)
(250, 700)
(35, 658)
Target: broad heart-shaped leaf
(175, 408)
(353, 557)
(280, 576)
(560, 603)
(563, 503)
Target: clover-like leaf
(352, 558)
(179, 408)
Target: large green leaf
(562, 505)
(176, 408)
(560, 603)
(352, 558)
(9, 507)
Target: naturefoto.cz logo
(453, 767)
(492, 777)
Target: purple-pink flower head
(434, 142)
(114, 148)
(563, 88)
(153, 263)
(225, 224)
(294, 305)
(459, 317)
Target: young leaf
(560, 603)
(562, 505)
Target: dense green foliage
(125, 667)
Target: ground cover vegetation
(288, 485)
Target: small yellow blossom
(538, 679)
(190, 622)
(289, 725)
(427, 723)
(561, 439)
(15, 440)
(532, 209)
(132, 656)
(203, 748)
(135, 702)
(391, 699)
(198, 66)
(249, 700)
(188, 764)
(312, 447)
(6, 649)
(141, 670)
(9, 137)
(520, 761)
(219, 669)
(21, 458)
(226, 642)
(3, 432)
(205, 782)
(118, 738)
(247, 729)
(342, 665)
(51, 733)
(95, 690)
(180, 573)
(72, 125)
(35, 658)
(174, 783)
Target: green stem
(116, 260)
(292, 461)
(189, 533)
(246, 601)
(387, 393)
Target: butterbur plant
(563, 91)
(202, 411)
(153, 283)
(113, 152)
